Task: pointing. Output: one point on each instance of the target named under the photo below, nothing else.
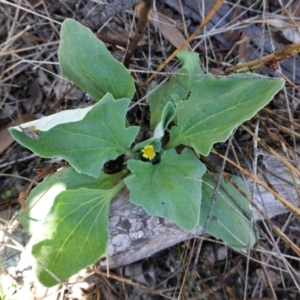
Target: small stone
(222, 253)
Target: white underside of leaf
(48, 122)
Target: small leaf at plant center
(178, 87)
(167, 116)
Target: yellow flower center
(148, 152)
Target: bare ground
(31, 86)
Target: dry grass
(31, 85)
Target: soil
(201, 267)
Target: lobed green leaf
(170, 189)
(217, 106)
(88, 143)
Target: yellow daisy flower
(148, 152)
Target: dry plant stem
(128, 281)
(286, 239)
(263, 265)
(292, 208)
(209, 215)
(104, 12)
(18, 161)
(288, 205)
(280, 127)
(295, 184)
(282, 118)
(266, 61)
(25, 130)
(208, 291)
(291, 17)
(207, 18)
(14, 51)
(43, 17)
(221, 279)
(288, 80)
(145, 7)
(9, 42)
(272, 151)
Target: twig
(207, 18)
(268, 61)
(5, 165)
(213, 202)
(145, 10)
(288, 205)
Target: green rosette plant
(67, 213)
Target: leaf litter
(30, 51)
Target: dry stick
(31, 156)
(282, 118)
(272, 151)
(267, 277)
(209, 214)
(29, 10)
(9, 42)
(10, 52)
(220, 279)
(262, 213)
(280, 127)
(220, 283)
(293, 170)
(266, 61)
(207, 18)
(276, 229)
(145, 10)
(287, 12)
(286, 152)
(287, 80)
(131, 282)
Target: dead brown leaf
(274, 278)
(170, 31)
(5, 137)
